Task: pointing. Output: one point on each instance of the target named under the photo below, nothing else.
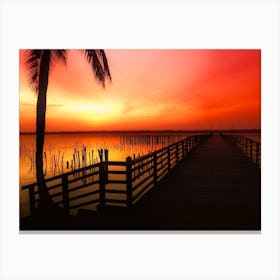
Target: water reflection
(66, 152)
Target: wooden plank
(116, 182)
(118, 172)
(129, 200)
(142, 182)
(111, 200)
(83, 186)
(116, 191)
(135, 167)
(94, 201)
(142, 173)
(116, 163)
(142, 192)
(83, 195)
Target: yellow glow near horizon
(101, 112)
(150, 89)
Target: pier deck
(213, 188)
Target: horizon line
(143, 130)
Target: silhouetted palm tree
(39, 63)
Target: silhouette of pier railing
(249, 148)
(113, 182)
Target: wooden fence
(249, 148)
(113, 182)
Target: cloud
(128, 108)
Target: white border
(139, 24)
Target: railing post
(197, 140)
(155, 168)
(254, 152)
(129, 182)
(65, 194)
(258, 154)
(251, 150)
(238, 141)
(177, 153)
(102, 184)
(182, 149)
(106, 166)
(168, 158)
(32, 199)
(194, 142)
(248, 149)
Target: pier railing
(249, 148)
(113, 182)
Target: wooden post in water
(100, 153)
(129, 197)
(155, 167)
(65, 194)
(102, 184)
(32, 199)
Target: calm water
(65, 152)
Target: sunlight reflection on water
(67, 152)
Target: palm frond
(33, 66)
(105, 64)
(97, 68)
(60, 54)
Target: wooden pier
(199, 183)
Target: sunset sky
(150, 90)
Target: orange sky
(150, 89)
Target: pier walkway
(215, 188)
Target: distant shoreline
(147, 132)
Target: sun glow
(150, 89)
(101, 112)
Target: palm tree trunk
(45, 200)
